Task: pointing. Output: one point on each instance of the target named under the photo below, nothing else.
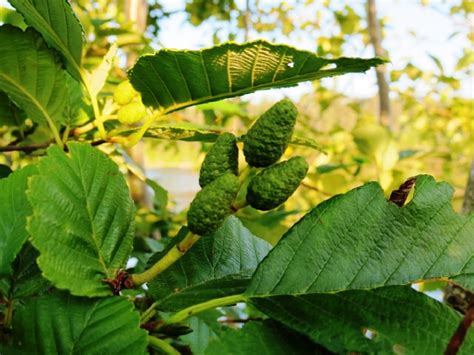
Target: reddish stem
(458, 337)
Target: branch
(25, 148)
(32, 147)
(458, 337)
(240, 321)
(314, 188)
(468, 203)
(374, 34)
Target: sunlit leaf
(360, 240)
(58, 25)
(171, 79)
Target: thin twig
(32, 147)
(314, 188)
(240, 321)
(24, 148)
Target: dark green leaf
(26, 279)
(82, 221)
(63, 324)
(398, 317)
(263, 338)
(327, 168)
(13, 213)
(8, 116)
(218, 265)
(171, 80)
(59, 26)
(360, 240)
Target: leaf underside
(82, 221)
(266, 338)
(58, 25)
(360, 240)
(205, 328)
(398, 317)
(31, 75)
(171, 80)
(63, 324)
(218, 265)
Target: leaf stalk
(173, 255)
(200, 307)
(164, 346)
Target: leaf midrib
(293, 80)
(91, 219)
(57, 40)
(36, 103)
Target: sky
(433, 30)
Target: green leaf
(58, 25)
(205, 329)
(13, 213)
(360, 240)
(263, 338)
(63, 324)
(31, 76)
(266, 225)
(218, 265)
(12, 17)
(172, 80)
(82, 221)
(25, 280)
(397, 316)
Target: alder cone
(213, 204)
(275, 184)
(266, 141)
(222, 158)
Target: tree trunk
(136, 11)
(468, 204)
(375, 38)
